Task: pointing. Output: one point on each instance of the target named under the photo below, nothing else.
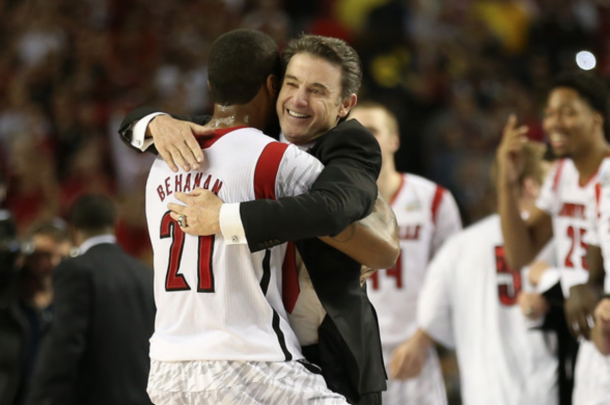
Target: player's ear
(272, 84)
(598, 119)
(347, 104)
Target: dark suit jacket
(96, 351)
(14, 333)
(345, 191)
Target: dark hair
(239, 64)
(333, 50)
(93, 213)
(591, 88)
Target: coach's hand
(509, 155)
(175, 141)
(201, 212)
(409, 358)
(533, 305)
(579, 309)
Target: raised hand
(509, 153)
(200, 214)
(175, 141)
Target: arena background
(452, 71)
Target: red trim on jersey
(290, 279)
(207, 141)
(598, 194)
(436, 202)
(558, 174)
(400, 186)
(266, 170)
(586, 182)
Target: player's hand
(202, 212)
(536, 270)
(176, 143)
(602, 315)
(579, 309)
(533, 305)
(409, 358)
(509, 154)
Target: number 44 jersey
(426, 215)
(217, 301)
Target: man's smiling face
(310, 101)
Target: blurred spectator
(26, 307)
(97, 348)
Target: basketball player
(427, 215)
(576, 121)
(221, 331)
(469, 301)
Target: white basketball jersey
(566, 201)
(600, 217)
(592, 372)
(217, 301)
(426, 215)
(469, 301)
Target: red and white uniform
(566, 201)
(592, 373)
(426, 215)
(469, 301)
(570, 204)
(218, 302)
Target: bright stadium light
(585, 60)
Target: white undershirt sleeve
(138, 135)
(231, 227)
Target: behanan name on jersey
(187, 183)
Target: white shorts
(237, 382)
(428, 388)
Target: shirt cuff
(231, 227)
(138, 137)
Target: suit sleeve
(344, 192)
(131, 119)
(56, 372)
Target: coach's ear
(347, 104)
(272, 85)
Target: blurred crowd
(451, 71)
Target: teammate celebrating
(575, 121)
(469, 301)
(427, 215)
(221, 331)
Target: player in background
(598, 256)
(469, 302)
(221, 331)
(576, 123)
(427, 215)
